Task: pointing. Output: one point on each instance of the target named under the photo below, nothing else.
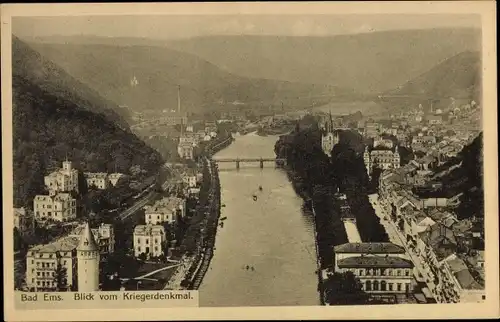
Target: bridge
(279, 162)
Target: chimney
(179, 99)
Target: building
(328, 141)
(76, 256)
(381, 267)
(149, 240)
(165, 210)
(383, 143)
(330, 136)
(99, 180)
(371, 129)
(87, 253)
(115, 177)
(174, 119)
(104, 236)
(42, 262)
(22, 221)
(382, 159)
(434, 119)
(58, 207)
(64, 179)
(185, 150)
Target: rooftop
(375, 261)
(369, 248)
(64, 244)
(149, 229)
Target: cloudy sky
(184, 26)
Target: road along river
(271, 235)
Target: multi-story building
(58, 207)
(186, 150)
(62, 180)
(383, 159)
(104, 236)
(165, 210)
(383, 143)
(371, 129)
(99, 180)
(149, 239)
(381, 267)
(66, 263)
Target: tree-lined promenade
(316, 177)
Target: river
(271, 234)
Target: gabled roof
(369, 248)
(375, 261)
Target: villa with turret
(69, 263)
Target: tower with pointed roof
(87, 261)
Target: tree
(61, 278)
(344, 289)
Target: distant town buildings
(22, 220)
(185, 150)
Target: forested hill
(48, 127)
(29, 64)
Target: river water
(271, 234)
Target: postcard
(244, 160)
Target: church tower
(87, 261)
(397, 159)
(366, 158)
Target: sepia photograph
(230, 157)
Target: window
(375, 285)
(138, 249)
(483, 297)
(399, 272)
(37, 273)
(383, 286)
(390, 286)
(156, 248)
(360, 272)
(368, 285)
(147, 241)
(407, 272)
(38, 283)
(399, 286)
(138, 241)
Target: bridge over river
(279, 162)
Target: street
(396, 237)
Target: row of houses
(450, 251)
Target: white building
(149, 239)
(104, 236)
(100, 180)
(58, 207)
(383, 159)
(63, 180)
(76, 256)
(186, 150)
(165, 210)
(381, 267)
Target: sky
(187, 26)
